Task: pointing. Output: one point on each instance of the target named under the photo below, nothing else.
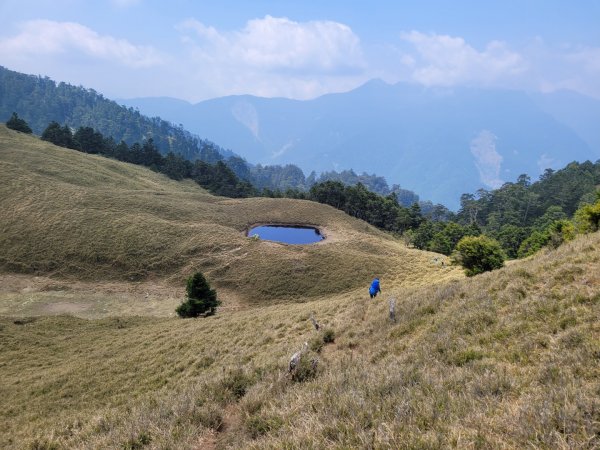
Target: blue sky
(197, 50)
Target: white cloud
(573, 68)
(42, 38)
(545, 162)
(487, 160)
(280, 44)
(273, 57)
(442, 60)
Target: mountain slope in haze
(40, 100)
(439, 143)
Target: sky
(197, 50)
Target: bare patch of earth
(65, 308)
(26, 295)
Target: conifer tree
(18, 124)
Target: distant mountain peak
(437, 142)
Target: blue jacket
(374, 289)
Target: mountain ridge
(439, 143)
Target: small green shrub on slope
(201, 299)
(587, 218)
(478, 254)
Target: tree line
(522, 216)
(217, 178)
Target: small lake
(287, 234)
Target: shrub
(560, 231)
(259, 425)
(316, 343)
(235, 384)
(478, 254)
(536, 241)
(587, 218)
(18, 124)
(201, 299)
(307, 368)
(328, 336)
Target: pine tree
(18, 124)
(201, 299)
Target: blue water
(287, 234)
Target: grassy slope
(79, 216)
(508, 359)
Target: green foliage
(587, 218)
(328, 336)
(18, 124)
(553, 236)
(90, 141)
(521, 215)
(511, 237)
(235, 384)
(478, 254)
(218, 178)
(61, 136)
(200, 298)
(535, 242)
(446, 239)
(383, 212)
(42, 100)
(561, 231)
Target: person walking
(375, 288)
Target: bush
(235, 384)
(18, 124)
(535, 242)
(201, 299)
(587, 218)
(307, 368)
(553, 236)
(478, 254)
(328, 336)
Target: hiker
(375, 288)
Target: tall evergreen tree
(18, 124)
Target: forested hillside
(40, 100)
(523, 216)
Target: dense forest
(522, 216)
(39, 100)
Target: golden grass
(83, 217)
(507, 359)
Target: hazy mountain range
(440, 143)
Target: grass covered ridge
(507, 359)
(84, 217)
